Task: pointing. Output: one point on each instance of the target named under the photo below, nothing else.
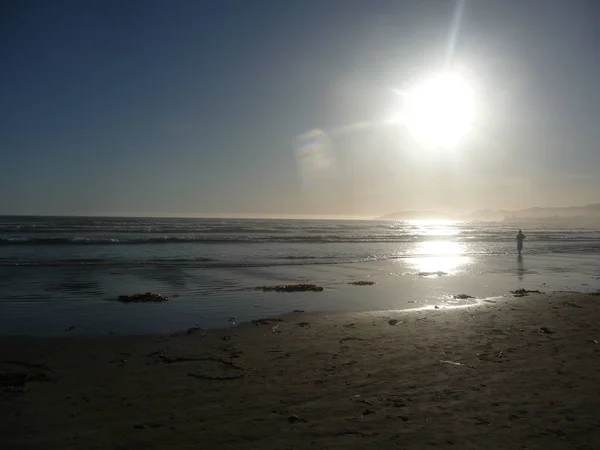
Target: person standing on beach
(520, 238)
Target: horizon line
(205, 216)
(165, 215)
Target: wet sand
(520, 373)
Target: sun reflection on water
(435, 227)
(432, 258)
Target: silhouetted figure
(520, 238)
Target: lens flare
(314, 152)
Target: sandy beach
(513, 373)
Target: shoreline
(520, 373)
(428, 305)
(232, 325)
(65, 303)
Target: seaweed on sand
(145, 297)
(292, 288)
(267, 321)
(524, 292)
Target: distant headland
(562, 213)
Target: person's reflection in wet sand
(520, 267)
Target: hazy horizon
(283, 216)
(204, 108)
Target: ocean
(58, 272)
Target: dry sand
(475, 378)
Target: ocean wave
(275, 261)
(141, 230)
(93, 262)
(191, 264)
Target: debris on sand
(432, 274)
(354, 433)
(13, 381)
(267, 321)
(524, 292)
(188, 332)
(192, 330)
(463, 296)
(303, 324)
(392, 322)
(145, 297)
(352, 338)
(396, 417)
(28, 365)
(17, 382)
(232, 371)
(294, 418)
(292, 288)
(218, 378)
(362, 283)
(456, 363)
(545, 330)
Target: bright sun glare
(439, 112)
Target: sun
(439, 112)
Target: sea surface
(58, 272)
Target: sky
(201, 107)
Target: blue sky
(193, 107)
